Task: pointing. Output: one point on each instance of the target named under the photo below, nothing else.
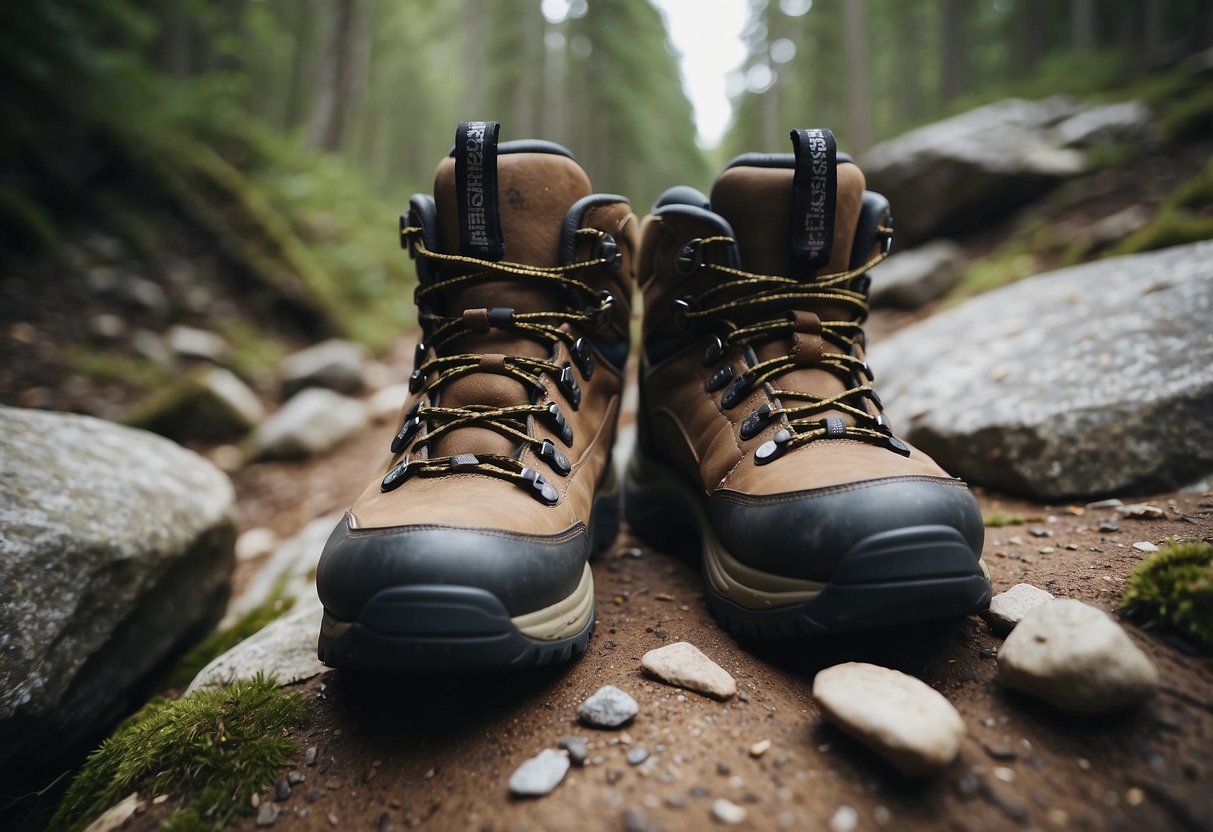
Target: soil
(423, 752)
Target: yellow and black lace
(436, 365)
(745, 309)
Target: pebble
(898, 716)
(578, 750)
(1039, 531)
(726, 811)
(1108, 526)
(845, 819)
(635, 820)
(295, 777)
(282, 790)
(1008, 608)
(609, 707)
(613, 776)
(1142, 511)
(1145, 546)
(540, 774)
(1077, 659)
(309, 759)
(637, 754)
(683, 664)
(255, 543)
(267, 815)
(759, 748)
(1110, 503)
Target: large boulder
(209, 404)
(115, 552)
(952, 175)
(914, 278)
(1097, 379)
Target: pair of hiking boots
(760, 441)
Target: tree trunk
(953, 75)
(1082, 24)
(859, 105)
(338, 80)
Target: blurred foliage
(211, 750)
(1172, 589)
(1001, 519)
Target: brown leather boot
(760, 438)
(468, 549)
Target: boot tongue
(533, 193)
(786, 223)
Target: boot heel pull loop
(476, 184)
(814, 194)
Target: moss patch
(1173, 590)
(211, 751)
(998, 519)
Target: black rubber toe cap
(526, 572)
(806, 534)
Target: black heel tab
(476, 188)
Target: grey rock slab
(896, 715)
(540, 774)
(1126, 121)
(954, 174)
(1076, 658)
(208, 404)
(1080, 382)
(577, 748)
(194, 343)
(334, 364)
(913, 278)
(1008, 608)
(684, 665)
(608, 707)
(312, 422)
(116, 548)
(285, 648)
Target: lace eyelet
(550, 454)
(396, 477)
(412, 425)
(583, 357)
(561, 425)
(737, 391)
(608, 250)
(754, 424)
(568, 385)
(416, 380)
(602, 313)
(419, 353)
(689, 258)
(719, 378)
(713, 352)
(539, 488)
(773, 448)
(896, 445)
(683, 307)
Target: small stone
(1142, 511)
(333, 819)
(1110, 503)
(899, 717)
(1077, 659)
(313, 795)
(635, 820)
(743, 696)
(1108, 526)
(613, 776)
(282, 790)
(335, 364)
(759, 748)
(845, 819)
(882, 815)
(684, 665)
(309, 759)
(192, 343)
(1145, 546)
(311, 422)
(295, 777)
(255, 543)
(637, 754)
(1008, 608)
(968, 785)
(1006, 775)
(609, 707)
(267, 814)
(722, 768)
(540, 774)
(1000, 752)
(576, 746)
(726, 811)
(1039, 531)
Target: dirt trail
(421, 752)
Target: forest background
(280, 138)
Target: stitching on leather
(747, 499)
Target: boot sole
(463, 629)
(906, 575)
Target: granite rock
(1087, 381)
(312, 422)
(334, 364)
(1008, 608)
(914, 278)
(116, 550)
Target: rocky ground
(407, 752)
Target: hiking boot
(761, 442)
(468, 549)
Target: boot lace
(424, 423)
(747, 309)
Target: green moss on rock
(211, 751)
(1173, 590)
